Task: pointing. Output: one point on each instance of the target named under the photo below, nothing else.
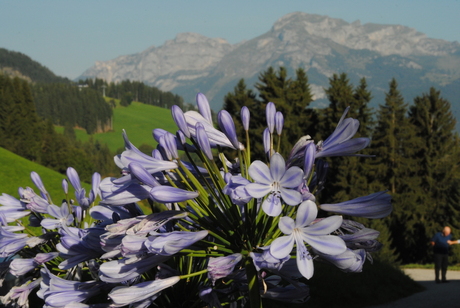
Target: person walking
(441, 242)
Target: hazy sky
(69, 36)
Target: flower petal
(286, 225)
(306, 213)
(278, 167)
(327, 244)
(304, 261)
(260, 173)
(272, 205)
(292, 178)
(282, 246)
(290, 196)
(325, 226)
(257, 190)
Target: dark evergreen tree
(438, 165)
(292, 98)
(340, 95)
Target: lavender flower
(270, 112)
(339, 143)
(276, 182)
(20, 294)
(376, 205)
(222, 266)
(303, 229)
(245, 116)
(122, 296)
(227, 125)
(20, 266)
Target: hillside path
(444, 295)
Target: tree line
(416, 152)
(128, 91)
(24, 132)
(69, 104)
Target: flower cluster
(186, 226)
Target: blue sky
(69, 36)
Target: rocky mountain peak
(384, 39)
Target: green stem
(193, 274)
(253, 284)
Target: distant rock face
(321, 45)
(186, 57)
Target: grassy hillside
(138, 120)
(15, 173)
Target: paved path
(444, 295)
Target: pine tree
(340, 95)
(439, 163)
(292, 98)
(394, 168)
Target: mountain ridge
(322, 45)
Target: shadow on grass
(378, 283)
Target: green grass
(378, 283)
(455, 267)
(138, 120)
(15, 173)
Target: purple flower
(78, 245)
(276, 182)
(203, 107)
(125, 270)
(20, 294)
(339, 143)
(21, 266)
(80, 193)
(62, 215)
(270, 112)
(12, 208)
(235, 188)
(227, 125)
(58, 292)
(304, 229)
(376, 205)
(265, 260)
(148, 290)
(350, 261)
(36, 179)
(34, 202)
(203, 140)
(132, 154)
(121, 194)
(179, 118)
(10, 242)
(167, 244)
(222, 266)
(215, 136)
(279, 122)
(245, 116)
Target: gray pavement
(444, 295)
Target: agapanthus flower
(122, 296)
(10, 242)
(21, 266)
(20, 294)
(340, 142)
(376, 205)
(276, 182)
(304, 229)
(58, 292)
(62, 215)
(349, 261)
(221, 267)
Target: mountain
(16, 64)
(321, 45)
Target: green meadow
(15, 173)
(138, 120)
